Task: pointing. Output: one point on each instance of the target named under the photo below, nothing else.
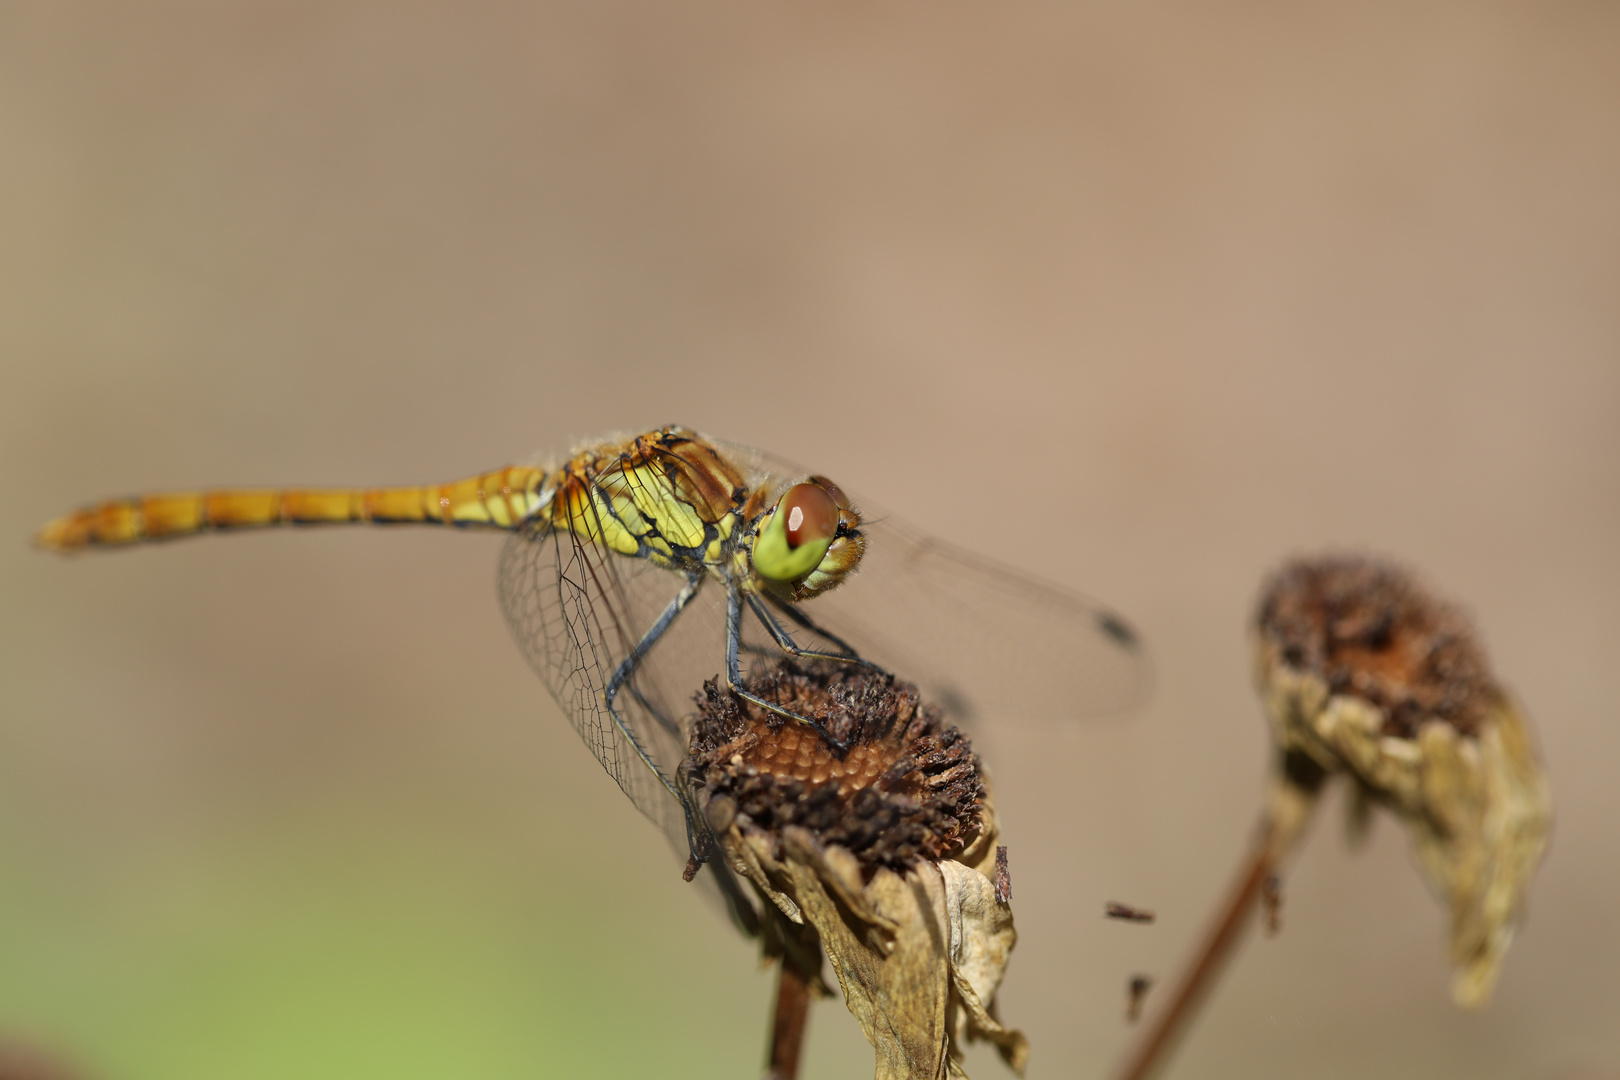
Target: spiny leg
(734, 671)
(627, 668)
(785, 641)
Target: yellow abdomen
(500, 500)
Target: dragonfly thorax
(666, 496)
(673, 498)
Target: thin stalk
(1157, 1041)
(1288, 812)
(788, 1023)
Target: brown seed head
(907, 788)
(1367, 629)
(884, 853)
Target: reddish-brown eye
(810, 515)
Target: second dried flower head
(1364, 673)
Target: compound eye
(797, 534)
(810, 513)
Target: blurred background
(1142, 298)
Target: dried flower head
(887, 852)
(1363, 673)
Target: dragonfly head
(807, 541)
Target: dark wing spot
(1119, 630)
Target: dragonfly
(643, 565)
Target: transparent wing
(980, 638)
(577, 610)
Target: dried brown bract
(1136, 992)
(1271, 902)
(887, 851)
(1127, 912)
(1363, 673)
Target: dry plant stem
(788, 1023)
(1281, 826)
(1154, 1047)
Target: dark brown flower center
(1366, 628)
(908, 787)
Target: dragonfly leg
(699, 837)
(668, 723)
(627, 668)
(786, 643)
(734, 671)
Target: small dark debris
(1136, 994)
(1127, 913)
(1271, 903)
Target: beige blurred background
(1143, 298)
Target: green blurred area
(323, 949)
